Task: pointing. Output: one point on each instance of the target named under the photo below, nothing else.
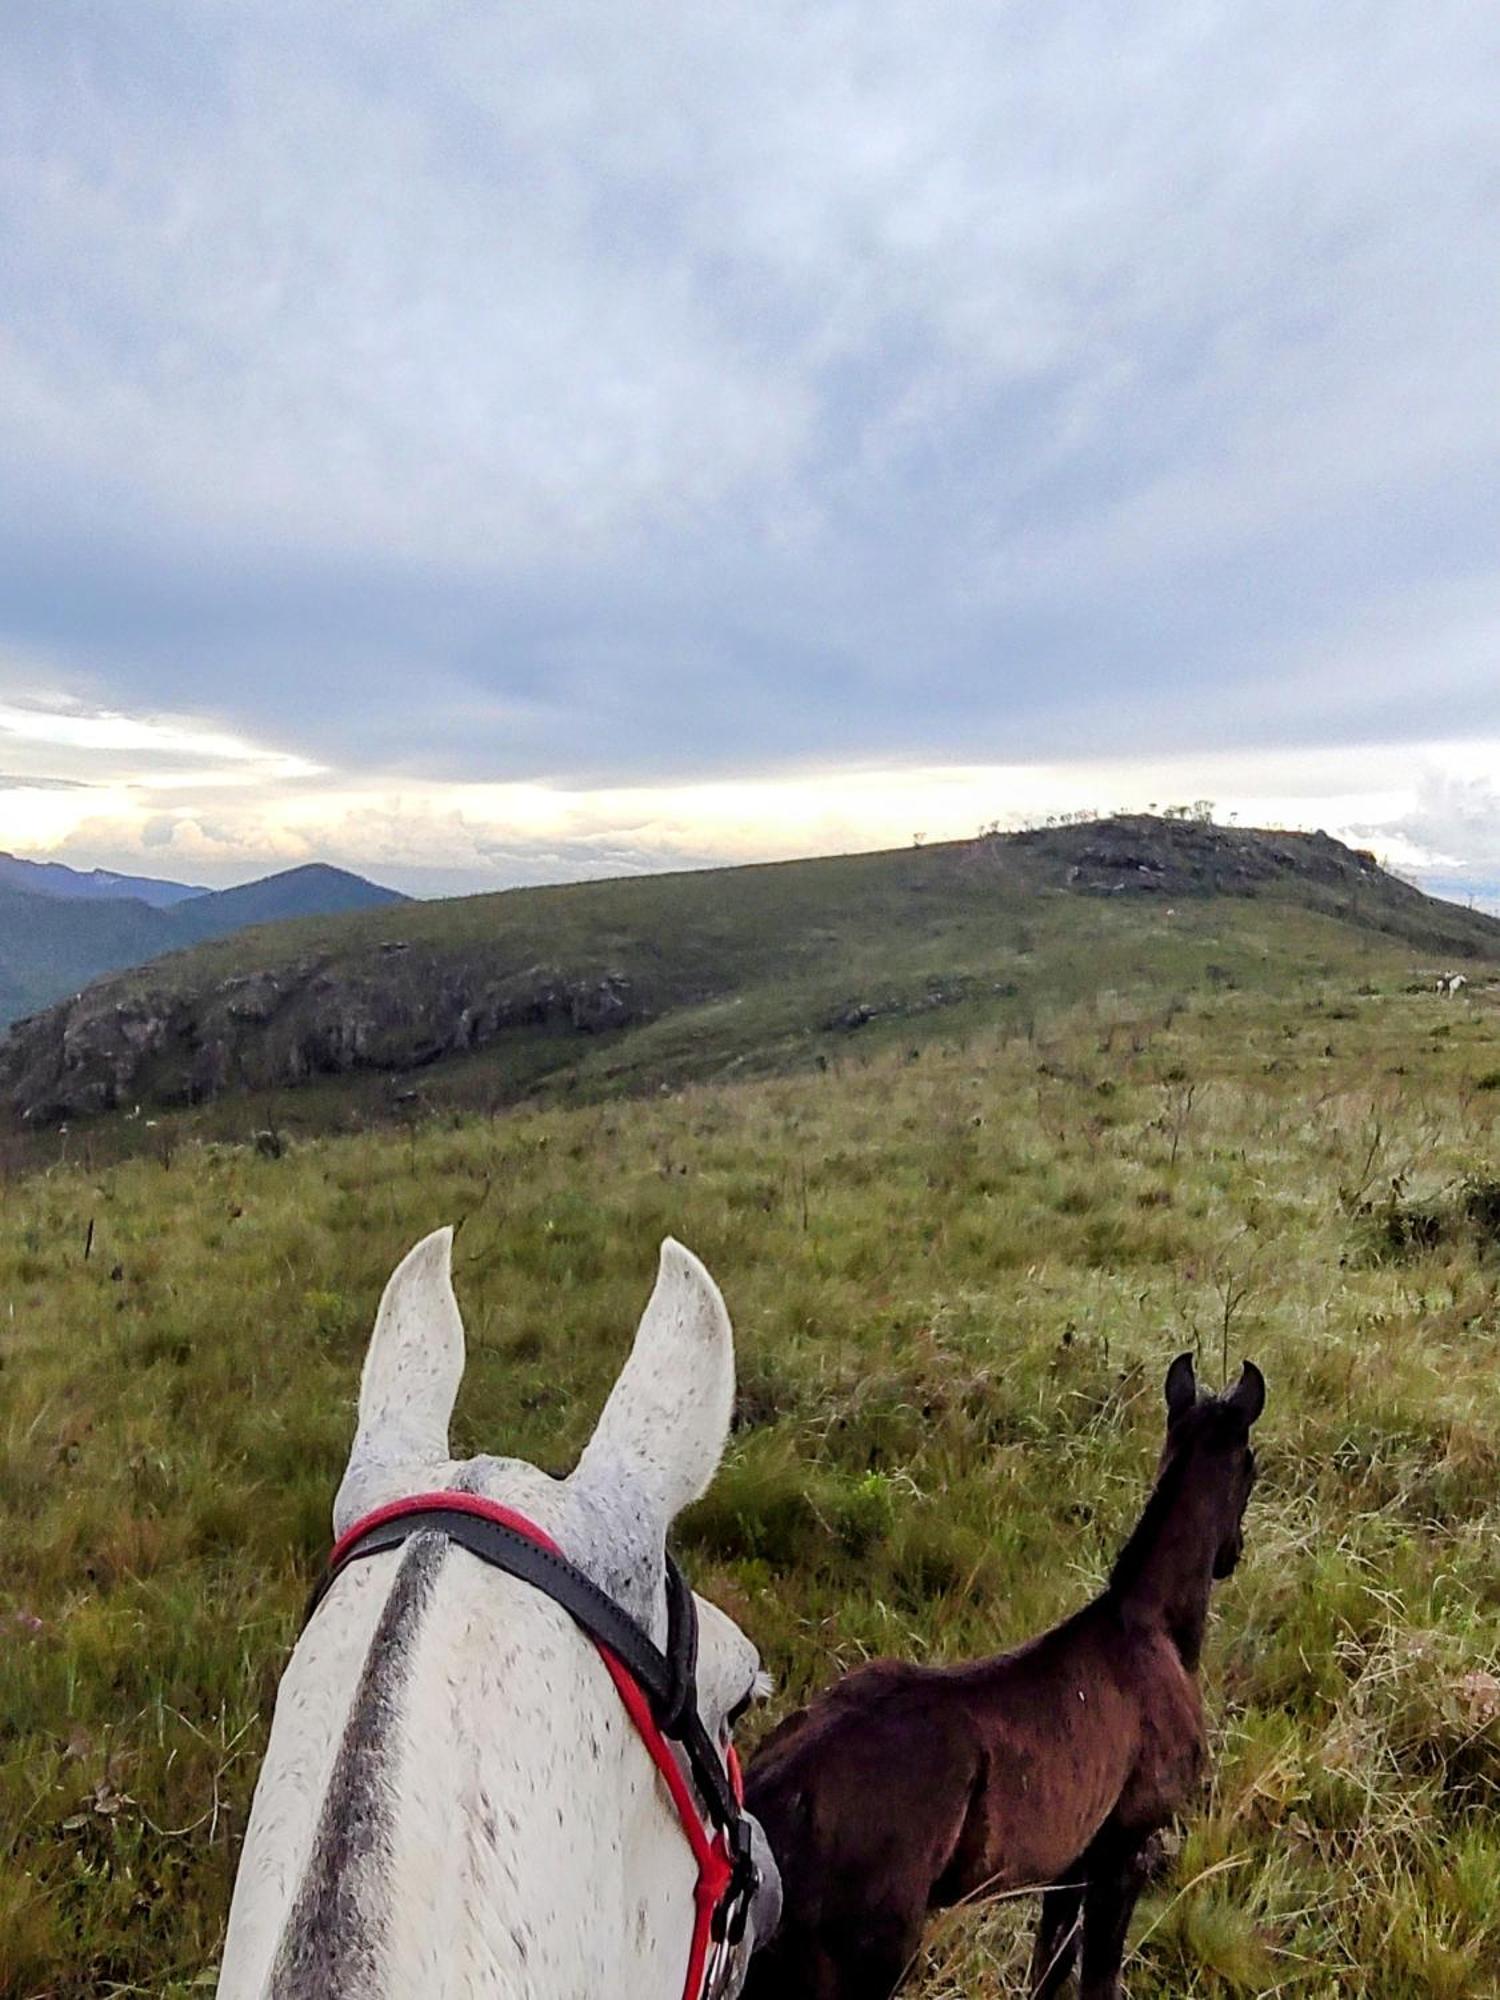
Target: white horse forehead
(513, 1483)
(603, 1533)
(505, 1481)
(727, 1659)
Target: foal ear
(1182, 1388)
(659, 1439)
(1248, 1395)
(407, 1389)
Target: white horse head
(454, 1804)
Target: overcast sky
(502, 442)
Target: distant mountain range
(60, 928)
(95, 885)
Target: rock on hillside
(282, 1027)
(1138, 855)
(1141, 855)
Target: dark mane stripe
(331, 1946)
(1160, 1506)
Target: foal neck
(1165, 1572)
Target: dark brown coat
(904, 1789)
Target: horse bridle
(658, 1689)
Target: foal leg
(1117, 1873)
(855, 1956)
(1055, 1952)
(873, 1953)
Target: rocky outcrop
(1136, 855)
(123, 1042)
(1139, 855)
(80, 1057)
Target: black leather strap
(681, 1654)
(669, 1679)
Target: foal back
(917, 1788)
(904, 1789)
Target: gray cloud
(1455, 817)
(597, 395)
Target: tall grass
(957, 1272)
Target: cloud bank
(420, 409)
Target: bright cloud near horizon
(481, 445)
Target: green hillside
(958, 1267)
(610, 987)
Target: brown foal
(904, 1789)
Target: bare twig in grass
(1233, 1291)
(471, 1211)
(1179, 1095)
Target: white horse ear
(407, 1389)
(662, 1432)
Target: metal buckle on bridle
(730, 1919)
(733, 1913)
(719, 1970)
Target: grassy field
(958, 1268)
